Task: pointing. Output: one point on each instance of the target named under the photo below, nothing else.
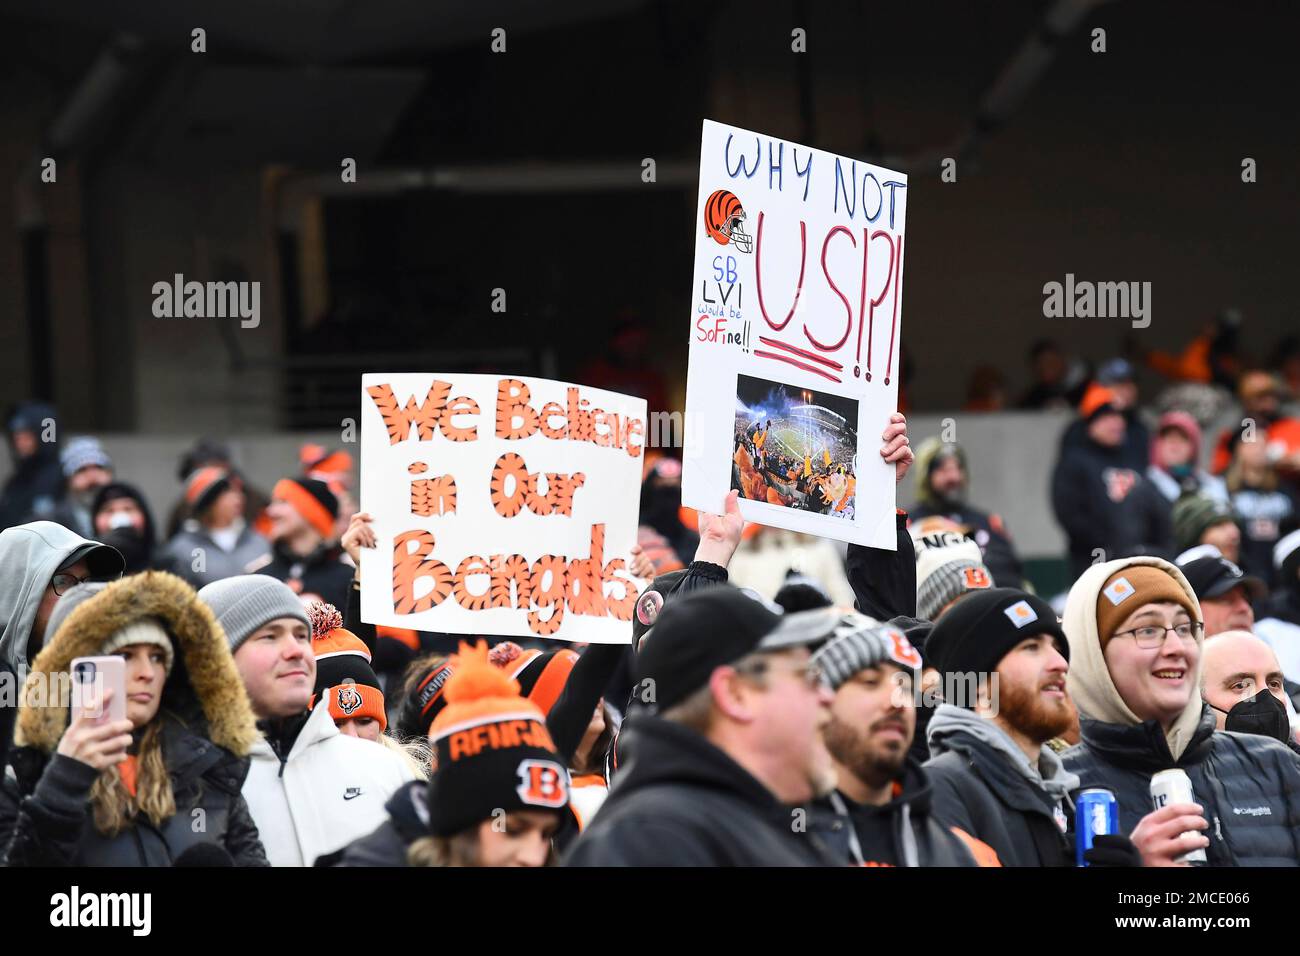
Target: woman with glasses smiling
(1136, 636)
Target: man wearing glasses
(726, 746)
(39, 561)
(1136, 641)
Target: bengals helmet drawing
(723, 218)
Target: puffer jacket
(207, 730)
(1249, 785)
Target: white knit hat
(144, 631)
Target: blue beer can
(1095, 813)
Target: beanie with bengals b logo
(494, 753)
(344, 676)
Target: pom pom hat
(344, 676)
(493, 750)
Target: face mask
(1265, 716)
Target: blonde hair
(461, 849)
(415, 753)
(113, 805)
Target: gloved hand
(1112, 849)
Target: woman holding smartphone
(161, 784)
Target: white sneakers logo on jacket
(332, 791)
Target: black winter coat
(207, 729)
(680, 801)
(978, 790)
(884, 582)
(1248, 784)
(47, 821)
(1103, 504)
(902, 832)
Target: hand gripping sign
(502, 505)
(796, 314)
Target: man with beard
(942, 485)
(727, 748)
(1004, 660)
(880, 811)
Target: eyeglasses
(63, 582)
(1150, 636)
(810, 672)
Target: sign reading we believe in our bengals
(502, 505)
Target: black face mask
(1265, 716)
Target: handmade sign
(795, 334)
(503, 506)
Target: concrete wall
(1011, 459)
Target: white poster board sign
(502, 506)
(796, 326)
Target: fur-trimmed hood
(203, 688)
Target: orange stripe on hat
(551, 683)
(201, 481)
(315, 513)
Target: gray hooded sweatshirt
(1050, 774)
(30, 554)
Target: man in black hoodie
(1103, 504)
(727, 746)
(880, 811)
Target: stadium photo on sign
(795, 447)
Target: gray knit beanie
(860, 642)
(247, 602)
(69, 601)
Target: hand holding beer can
(1174, 786)
(1096, 813)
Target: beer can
(1096, 813)
(1174, 786)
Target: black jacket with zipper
(902, 832)
(680, 801)
(978, 790)
(1248, 785)
(46, 819)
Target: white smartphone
(91, 676)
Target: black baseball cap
(710, 628)
(1214, 576)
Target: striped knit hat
(344, 676)
(860, 642)
(312, 499)
(947, 566)
(541, 674)
(493, 751)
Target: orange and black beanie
(541, 674)
(344, 676)
(494, 753)
(312, 499)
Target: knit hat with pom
(541, 674)
(344, 676)
(494, 753)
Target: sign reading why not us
(503, 506)
(796, 313)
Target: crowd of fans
(782, 702)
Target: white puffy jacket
(330, 791)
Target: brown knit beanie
(1128, 589)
